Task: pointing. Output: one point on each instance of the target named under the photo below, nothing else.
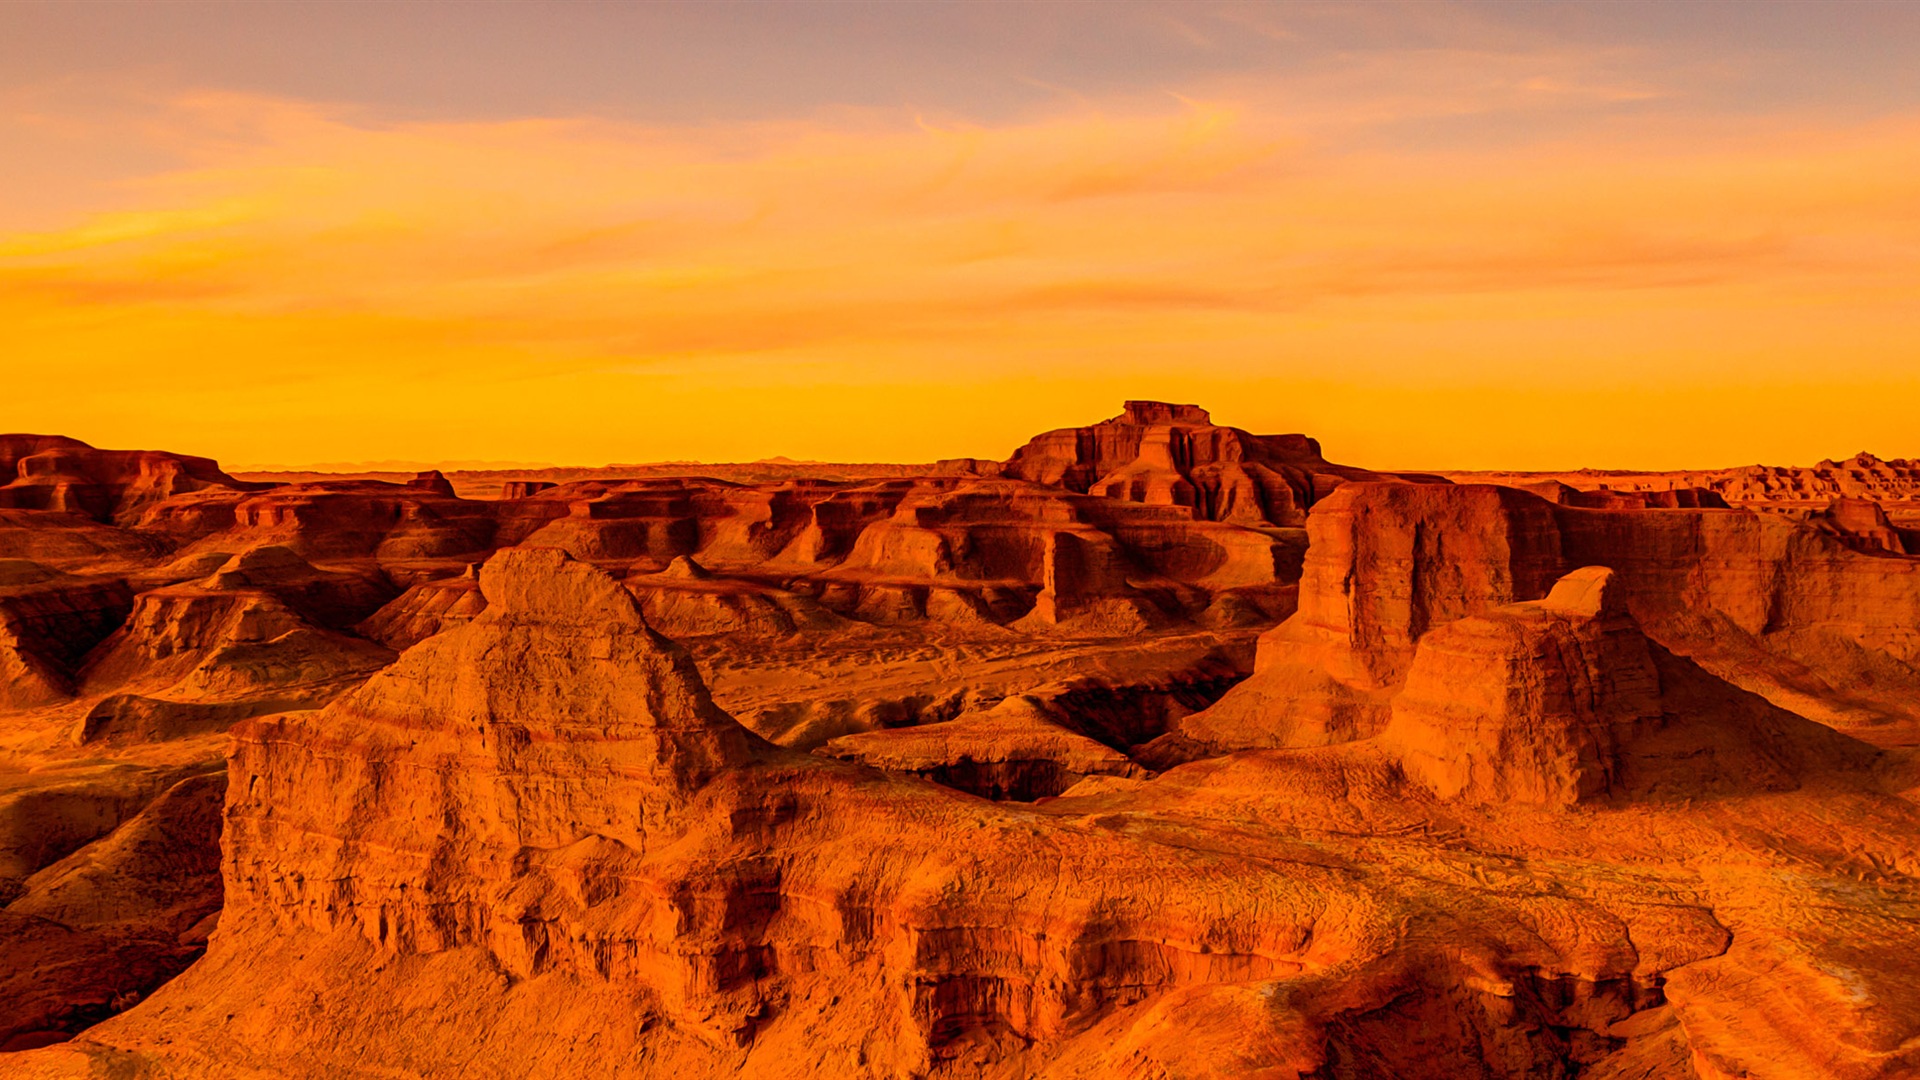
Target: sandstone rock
(687, 600)
(46, 821)
(95, 932)
(394, 524)
(1862, 525)
(1385, 563)
(222, 641)
(998, 550)
(432, 480)
(425, 610)
(16, 446)
(1862, 476)
(538, 844)
(1019, 749)
(1528, 702)
(1173, 455)
(1085, 587)
(69, 541)
(521, 489)
(1774, 606)
(114, 486)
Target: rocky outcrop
(432, 480)
(1085, 586)
(60, 615)
(93, 933)
(410, 531)
(1174, 455)
(1774, 606)
(685, 600)
(500, 676)
(71, 541)
(600, 823)
(48, 622)
(1385, 563)
(1671, 498)
(1001, 550)
(522, 489)
(1020, 749)
(334, 598)
(1529, 702)
(424, 610)
(1863, 525)
(112, 486)
(1862, 476)
(194, 656)
(13, 447)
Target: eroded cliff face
(1174, 455)
(930, 775)
(549, 790)
(544, 806)
(1777, 606)
(61, 474)
(598, 816)
(1530, 702)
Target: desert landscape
(1159, 749)
(946, 540)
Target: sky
(1433, 235)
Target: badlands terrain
(1158, 750)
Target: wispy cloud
(1260, 228)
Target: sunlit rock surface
(1160, 750)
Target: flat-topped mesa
(1862, 524)
(1174, 455)
(1161, 412)
(15, 446)
(432, 480)
(52, 472)
(522, 489)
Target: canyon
(1158, 749)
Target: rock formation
(521, 489)
(424, 610)
(956, 770)
(1864, 526)
(1020, 749)
(1862, 476)
(1528, 702)
(53, 473)
(1778, 607)
(1174, 455)
(93, 933)
(248, 638)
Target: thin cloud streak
(1266, 230)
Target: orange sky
(1512, 249)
